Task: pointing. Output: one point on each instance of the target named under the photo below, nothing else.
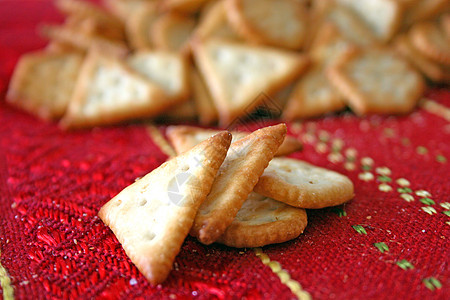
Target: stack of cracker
(222, 187)
(211, 61)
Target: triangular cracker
(237, 74)
(107, 91)
(432, 41)
(184, 138)
(262, 221)
(356, 75)
(382, 16)
(138, 25)
(207, 112)
(280, 23)
(245, 162)
(167, 69)
(152, 217)
(43, 82)
(300, 184)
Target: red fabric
(52, 184)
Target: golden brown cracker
(300, 184)
(107, 92)
(139, 24)
(43, 82)
(376, 81)
(262, 221)
(152, 217)
(279, 23)
(245, 162)
(207, 112)
(237, 75)
(432, 41)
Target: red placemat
(390, 242)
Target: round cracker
(262, 221)
(300, 184)
(279, 23)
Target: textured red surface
(52, 184)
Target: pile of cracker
(222, 187)
(211, 61)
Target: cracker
(237, 75)
(214, 24)
(172, 32)
(376, 81)
(279, 23)
(82, 40)
(424, 10)
(313, 96)
(262, 221)
(431, 69)
(245, 162)
(138, 25)
(382, 16)
(168, 70)
(184, 138)
(300, 184)
(204, 104)
(432, 41)
(107, 91)
(43, 82)
(151, 218)
(350, 25)
(329, 44)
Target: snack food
(138, 26)
(432, 41)
(107, 91)
(376, 81)
(301, 184)
(43, 82)
(245, 162)
(262, 221)
(184, 138)
(279, 23)
(167, 69)
(152, 217)
(237, 74)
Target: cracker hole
(148, 236)
(311, 182)
(185, 168)
(143, 202)
(118, 202)
(286, 169)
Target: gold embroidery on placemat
(159, 140)
(435, 108)
(284, 276)
(5, 281)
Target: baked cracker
(432, 41)
(172, 32)
(376, 81)
(152, 217)
(186, 111)
(424, 10)
(245, 162)
(280, 23)
(300, 184)
(382, 16)
(428, 67)
(237, 75)
(107, 91)
(168, 70)
(184, 137)
(262, 221)
(313, 96)
(43, 82)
